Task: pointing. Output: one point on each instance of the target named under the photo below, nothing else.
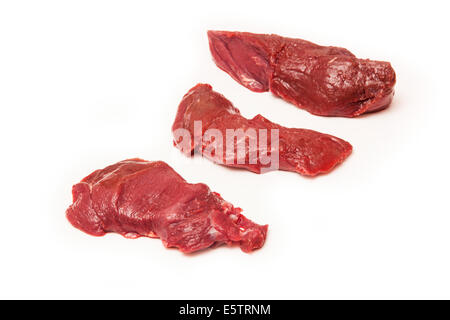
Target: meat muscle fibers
(142, 198)
(325, 81)
(205, 117)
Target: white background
(84, 84)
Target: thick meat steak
(326, 81)
(142, 198)
(253, 145)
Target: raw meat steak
(326, 81)
(142, 198)
(300, 150)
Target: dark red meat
(141, 198)
(326, 81)
(300, 150)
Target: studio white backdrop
(84, 84)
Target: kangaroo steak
(141, 198)
(326, 81)
(300, 150)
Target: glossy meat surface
(299, 150)
(325, 81)
(142, 198)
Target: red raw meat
(326, 81)
(300, 150)
(141, 198)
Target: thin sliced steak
(141, 198)
(325, 81)
(300, 150)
